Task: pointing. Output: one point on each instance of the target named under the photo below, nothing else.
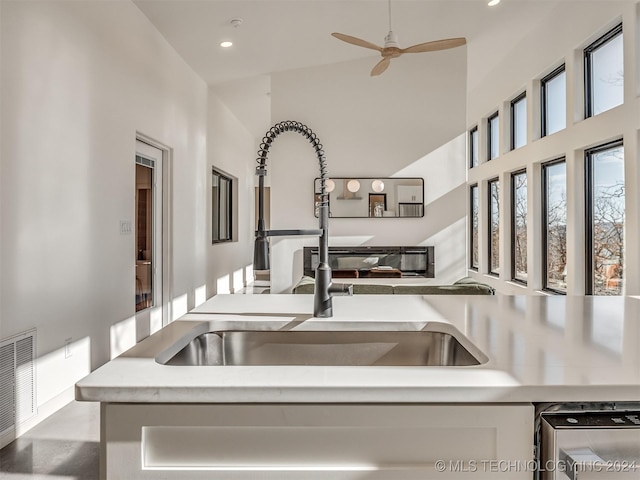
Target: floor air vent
(17, 380)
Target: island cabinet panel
(317, 441)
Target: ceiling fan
(392, 48)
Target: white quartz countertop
(539, 349)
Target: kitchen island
(362, 422)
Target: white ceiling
(282, 35)
(278, 35)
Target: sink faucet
(324, 288)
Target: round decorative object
(377, 186)
(329, 185)
(353, 186)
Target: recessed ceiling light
(226, 44)
(493, 3)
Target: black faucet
(324, 288)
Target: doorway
(149, 223)
(377, 204)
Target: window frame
(216, 208)
(490, 182)
(490, 118)
(545, 228)
(473, 132)
(515, 174)
(543, 98)
(588, 67)
(474, 188)
(512, 126)
(589, 214)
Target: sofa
(464, 286)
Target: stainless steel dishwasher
(589, 441)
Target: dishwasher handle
(581, 462)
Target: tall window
(554, 101)
(554, 245)
(473, 147)
(519, 121)
(494, 226)
(474, 233)
(604, 73)
(493, 136)
(222, 207)
(605, 210)
(519, 226)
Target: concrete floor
(65, 446)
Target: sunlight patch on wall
(248, 274)
(179, 306)
(443, 169)
(222, 285)
(238, 280)
(155, 320)
(122, 336)
(200, 295)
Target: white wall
(410, 121)
(231, 148)
(504, 63)
(79, 79)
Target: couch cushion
(463, 289)
(305, 285)
(372, 289)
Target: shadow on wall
(451, 253)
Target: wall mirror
(373, 197)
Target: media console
(374, 261)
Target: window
(554, 243)
(519, 121)
(605, 208)
(554, 101)
(494, 226)
(604, 73)
(493, 136)
(473, 147)
(474, 227)
(519, 226)
(222, 207)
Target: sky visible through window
(556, 104)
(520, 123)
(607, 76)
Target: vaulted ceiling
(284, 35)
(278, 35)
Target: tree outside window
(519, 226)
(555, 226)
(494, 230)
(605, 219)
(475, 227)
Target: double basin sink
(443, 346)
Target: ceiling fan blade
(381, 66)
(435, 45)
(356, 41)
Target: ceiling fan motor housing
(391, 40)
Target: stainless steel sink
(329, 348)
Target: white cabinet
(409, 194)
(317, 441)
